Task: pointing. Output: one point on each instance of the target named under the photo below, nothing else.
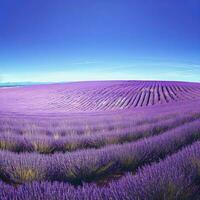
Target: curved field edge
(95, 96)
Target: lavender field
(100, 140)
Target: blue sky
(72, 40)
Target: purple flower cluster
(177, 177)
(86, 165)
(49, 144)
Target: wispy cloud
(87, 62)
(149, 70)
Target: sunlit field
(101, 140)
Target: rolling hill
(95, 96)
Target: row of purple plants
(65, 127)
(175, 178)
(90, 165)
(46, 145)
(93, 123)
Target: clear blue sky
(70, 40)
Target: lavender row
(175, 178)
(54, 144)
(92, 123)
(78, 126)
(90, 165)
